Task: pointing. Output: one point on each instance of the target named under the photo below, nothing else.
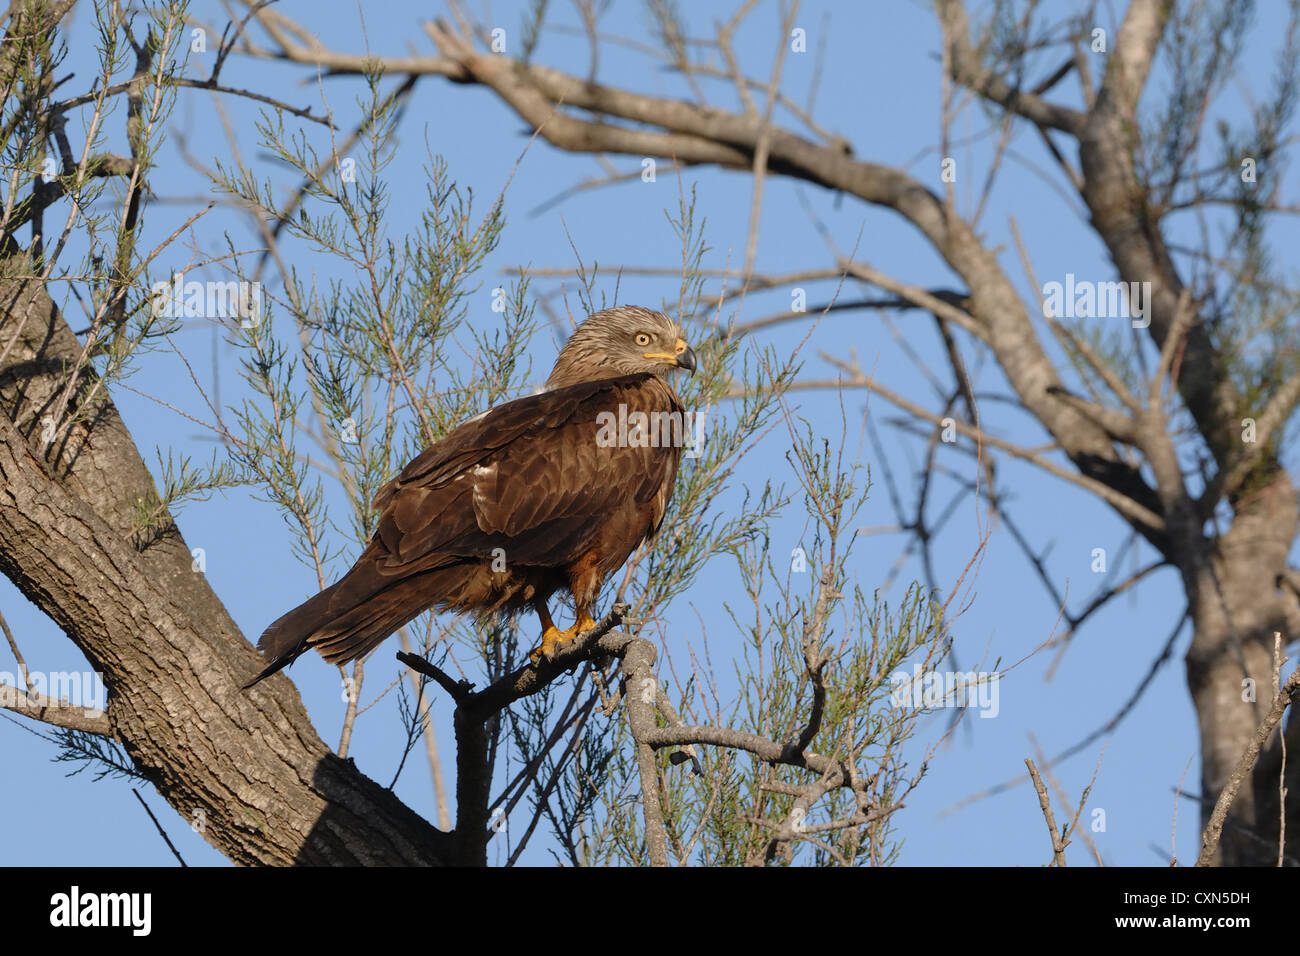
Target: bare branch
(967, 71)
(1245, 766)
(55, 711)
(1059, 842)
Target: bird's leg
(550, 634)
(585, 621)
(553, 639)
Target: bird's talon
(554, 640)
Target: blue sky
(880, 89)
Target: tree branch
(1245, 765)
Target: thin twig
(1058, 842)
(161, 832)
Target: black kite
(531, 497)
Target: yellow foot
(551, 638)
(554, 640)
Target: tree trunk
(244, 767)
(1236, 609)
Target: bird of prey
(537, 495)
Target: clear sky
(879, 88)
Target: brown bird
(545, 493)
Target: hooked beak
(685, 357)
(682, 356)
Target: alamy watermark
(83, 689)
(924, 690)
(75, 908)
(637, 429)
(1083, 299)
(208, 300)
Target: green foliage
(106, 756)
(375, 353)
(88, 199)
(724, 815)
(182, 483)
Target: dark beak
(686, 360)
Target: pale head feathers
(621, 341)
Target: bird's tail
(347, 620)
(291, 635)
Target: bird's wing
(529, 477)
(533, 464)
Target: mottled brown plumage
(515, 504)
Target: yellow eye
(642, 338)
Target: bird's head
(621, 341)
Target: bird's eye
(642, 338)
